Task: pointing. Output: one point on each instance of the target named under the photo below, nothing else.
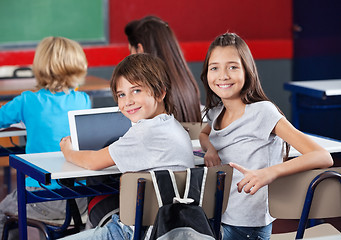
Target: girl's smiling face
(226, 75)
(136, 102)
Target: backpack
(180, 218)
(101, 208)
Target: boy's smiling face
(136, 102)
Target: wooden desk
(10, 88)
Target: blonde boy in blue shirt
(59, 66)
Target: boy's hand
(253, 179)
(211, 158)
(65, 144)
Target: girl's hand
(211, 158)
(253, 179)
(65, 144)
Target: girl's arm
(92, 160)
(211, 156)
(313, 156)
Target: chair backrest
(287, 195)
(193, 128)
(128, 192)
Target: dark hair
(145, 70)
(252, 90)
(158, 39)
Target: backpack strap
(167, 191)
(165, 186)
(195, 184)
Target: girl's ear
(139, 48)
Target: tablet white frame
(72, 121)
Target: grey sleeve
(267, 117)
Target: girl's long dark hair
(158, 39)
(252, 90)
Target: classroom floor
(279, 226)
(33, 234)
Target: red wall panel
(202, 20)
(264, 24)
(111, 55)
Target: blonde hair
(59, 64)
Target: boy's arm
(92, 160)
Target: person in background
(59, 66)
(246, 130)
(157, 141)
(154, 36)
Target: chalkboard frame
(100, 40)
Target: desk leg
(22, 214)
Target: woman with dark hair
(154, 36)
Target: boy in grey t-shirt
(159, 143)
(140, 86)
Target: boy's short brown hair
(145, 70)
(59, 64)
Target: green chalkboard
(26, 22)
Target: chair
(314, 194)
(193, 128)
(139, 208)
(51, 230)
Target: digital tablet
(94, 129)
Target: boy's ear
(139, 48)
(160, 99)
